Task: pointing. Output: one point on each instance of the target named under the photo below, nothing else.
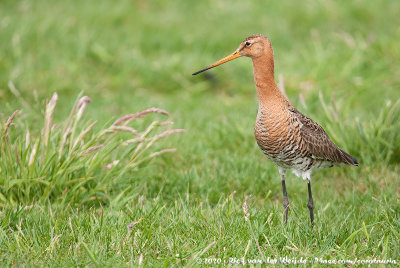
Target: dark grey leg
(282, 172)
(285, 200)
(310, 203)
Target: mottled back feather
(319, 145)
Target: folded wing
(319, 145)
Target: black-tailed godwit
(287, 137)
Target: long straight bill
(233, 56)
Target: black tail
(350, 160)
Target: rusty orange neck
(267, 90)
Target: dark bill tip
(200, 71)
(233, 56)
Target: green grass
(72, 164)
(337, 56)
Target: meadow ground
(339, 62)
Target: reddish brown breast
(278, 136)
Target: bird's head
(253, 46)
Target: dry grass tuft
(73, 161)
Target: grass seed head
(48, 119)
(33, 155)
(10, 122)
(130, 117)
(246, 209)
(82, 106)
(125, 129)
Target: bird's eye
(248, 44)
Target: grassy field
(339, 62)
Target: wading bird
(287, 137)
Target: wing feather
(319, 145)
